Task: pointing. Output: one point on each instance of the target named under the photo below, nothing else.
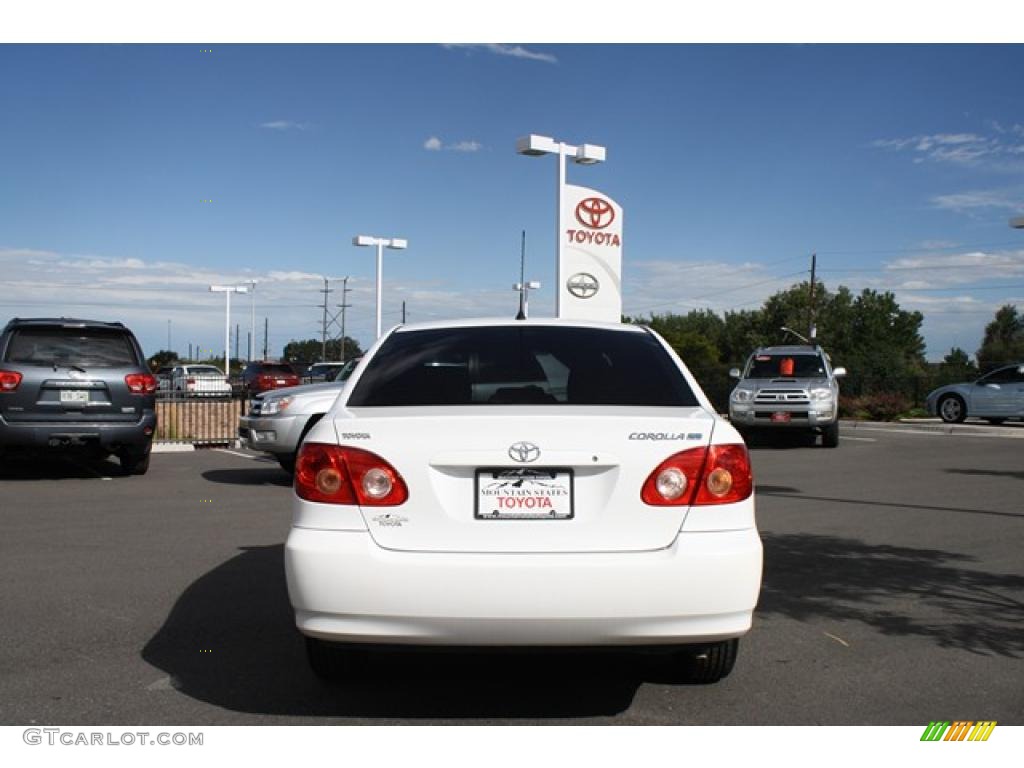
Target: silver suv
(788, 388)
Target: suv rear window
(797, 366)
(275, 368)
(521, 366)
(86, 347)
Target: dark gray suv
(67, 383)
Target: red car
(260, 376)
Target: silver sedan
(996, 397)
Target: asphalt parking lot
(893, 595)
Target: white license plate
(282, 381)
(74, 396)
(524, 494)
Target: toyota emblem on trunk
(523, 452)
(582, 285)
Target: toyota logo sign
(595, 213)
(582, 285)
(523, 452)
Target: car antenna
(521, 285)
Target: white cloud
(966, 201)
(514, 51)
(997, 152)
(434, 144)
(285, 125)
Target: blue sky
(898, 165)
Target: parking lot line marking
(861, 439)
(236, 453)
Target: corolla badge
(523, 452)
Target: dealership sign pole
(588, 237)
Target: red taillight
(718, 474)
(191, 382)
(335, 474)
(141, 383)
(9, 381)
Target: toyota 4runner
(788, 388)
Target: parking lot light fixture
(533, 145)
(227, 290)
(394, 243)
(1017, 223)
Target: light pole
(394, 243)
(252, 320)
(585, 154)
(1017, 223)
(227, 290)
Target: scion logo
(595, 213)
(523, 452)
(582, 285)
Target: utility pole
(266, 334)
(252, 320)
(403, 311)
(323, 327)
(238, 336)
(343, 306)
(190, 351)
(811, 330)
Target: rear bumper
(136, 434)
(346, 588)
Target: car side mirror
(734, 373)
(839, 372)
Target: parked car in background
(995, 397)
(278, 421)
(199, 381)
(517, 483)
(792, 388)
(163, 378)
(261, 376)
(76, 384)
(319, 372)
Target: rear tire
(287, 462)
(134, 463)
(335, 663)
(706, 664)
(830, 435)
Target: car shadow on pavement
(254, 476)
(900, 591)
(230, 640)
(57, 466)
(986, 473)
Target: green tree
(311, 350)
(162, 358)
(1004, 339)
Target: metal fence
(199, 418)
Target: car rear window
(205, 369)
(521, 366)
(276, 368)
(85, 347)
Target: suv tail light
(141, 383)
(717, 474)
(9, 381)
(334, 474)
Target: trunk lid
(459, 467)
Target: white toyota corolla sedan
(530, 483)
